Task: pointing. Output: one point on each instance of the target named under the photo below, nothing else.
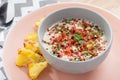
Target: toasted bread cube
(37, 24)
(34, 46)
(34, 69)
(32, 36)
(26, 56)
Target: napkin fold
(3, 12)
(23, 10)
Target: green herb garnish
(58, 47)
(53, 52)
(58, 30)
(81, 42)
(77, 36)
(69, 20)
(79, 48)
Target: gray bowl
(75, 12)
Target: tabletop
(110, 5)
(23, 7)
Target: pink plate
(108, 70)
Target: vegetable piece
(84, 52)
(88, 28)
(87, 52)
(69, 20)
(104, 42)
(81, 41)
(89, 46)
(77, 36)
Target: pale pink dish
(108, 70)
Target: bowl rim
(98, 14)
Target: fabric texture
(21, 8)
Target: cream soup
(74, 40)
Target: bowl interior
(75, 13)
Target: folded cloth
(3, 12)
(22, 7)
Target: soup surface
(74, 39)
